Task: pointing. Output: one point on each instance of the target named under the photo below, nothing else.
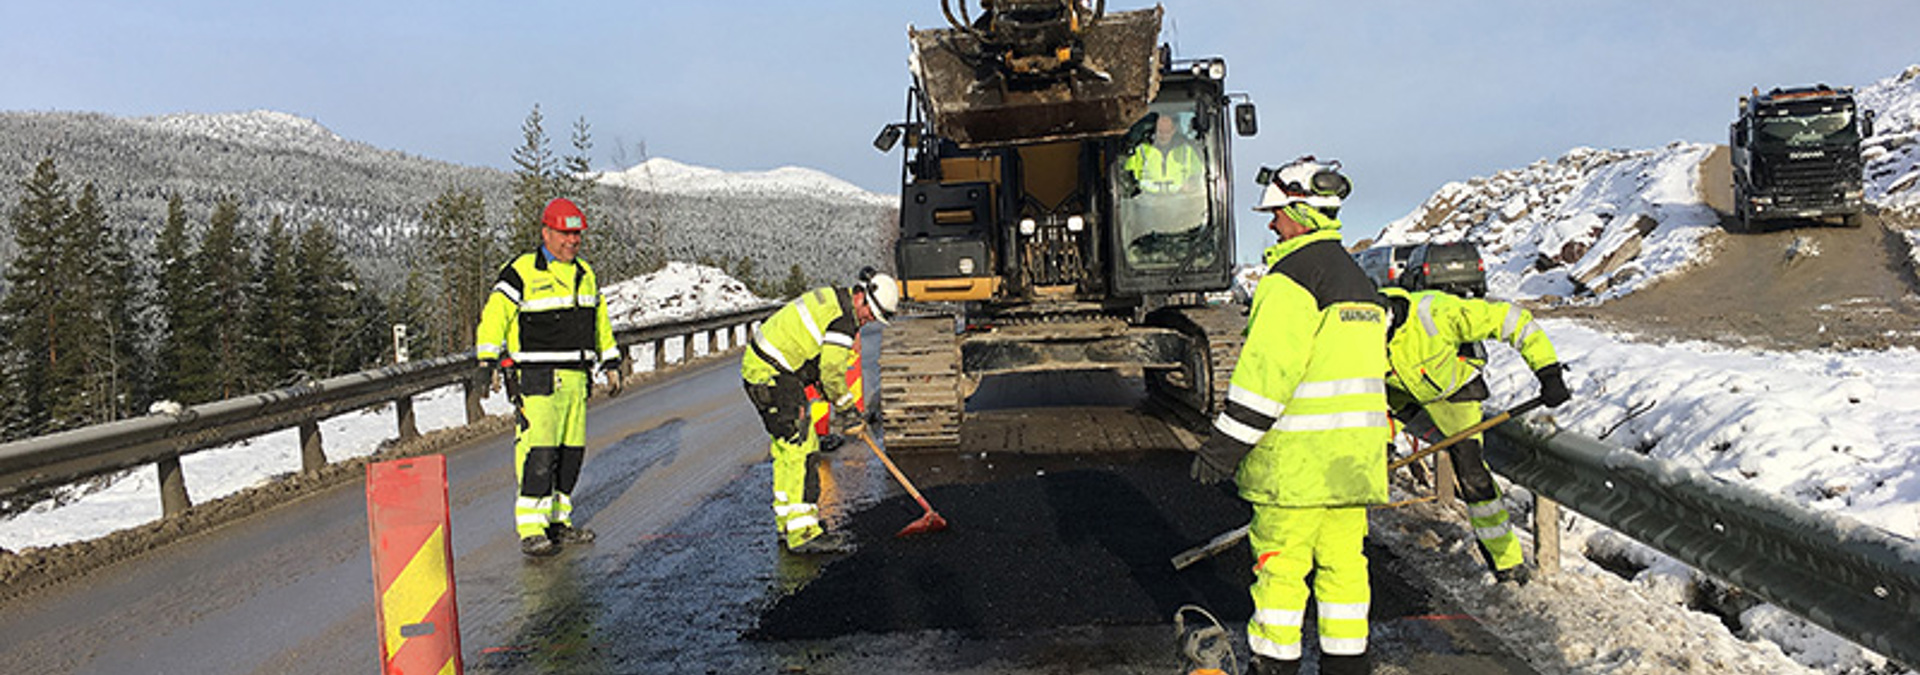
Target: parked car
(1384, 264)
(1452, 267)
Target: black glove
(1217, 459)
(1553, 387)
(873, 417)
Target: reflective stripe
(838, 338)
(1485, 509)
(844, 400)
(486, 350)
(1280, 617)
(575, 356)
(1512, 321)
(1253, 401)
(610, 353)
(806, 319)
(1237, 430)
(1347, 610)
(802, 522)
(1343, 646)
(1274, 650)
(1494, 532)
(530, 519)
(588, 300)
(1426, 316)
(767, 348)
(508, 290)
(1358, 385)
(1332, 421)
(545, 304)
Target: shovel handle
(861, 431)
(1467, 433)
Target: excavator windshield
(1163, 175)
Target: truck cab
(1796, 155)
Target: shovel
(929, 521)
(1224, 540)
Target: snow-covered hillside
(665, 175)
(1597, 224)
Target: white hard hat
(1319, 185)
(883, 296)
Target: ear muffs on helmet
(883, 294)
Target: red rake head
(929, 522)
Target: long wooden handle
(1465, 434)
(861, 431)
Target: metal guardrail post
(173, 488)
(312, 456)
(403, 409)
(475, 388)
(1546, 534)
(1444, 482)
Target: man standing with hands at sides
(546, 326)
(1304, 432)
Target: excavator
(1065, 205)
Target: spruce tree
(225, 273)
(279, 354)
(339, 334)
(181, 362)
(576, 177)
(467, 260)
(533, 181)
(99, 301)
(30, 318)
(795, 283)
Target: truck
(1065, 205)
(1796, 155)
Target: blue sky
(1409, 94)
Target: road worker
(545, 325)
(1435, 389)
(1304, 432)
(811, 336)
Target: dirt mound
(1805, 287)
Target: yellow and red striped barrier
(408, 522)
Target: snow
(665, 175)
(1832, 430)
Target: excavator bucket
(976, 102)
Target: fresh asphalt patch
(1085, 547)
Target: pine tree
(30, 314)
(279, 357)
(467, 259)
(340, 335)
(99, 279)
(181, 361)
(577, 177)
(533, 181)
(224, 268)
(795, 283)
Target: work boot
(1517, 575)
(569, 535)
(538, 546)
(1263, 665)
(1354, 664)
(825, 544)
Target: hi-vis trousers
(550, 446)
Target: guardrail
(161, 439)
(1860, 582)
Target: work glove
(1553, 386)
(873, 417)
(1217, 459)
(615, 383)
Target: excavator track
(920, 376)
(1220, 331)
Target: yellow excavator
(1065, 205)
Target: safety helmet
(1304, 180)
(562, 215)
(883, 294)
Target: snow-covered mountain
(277, 164)
(1596, 224)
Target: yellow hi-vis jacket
(546, 313)
(1423, 349)
(1166, 170)
(812, 335)
(1307, 393)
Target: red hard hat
(562, 215)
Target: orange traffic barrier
(409, 524)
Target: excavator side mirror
(1246, 122)
(889, 136)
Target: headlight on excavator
(1075, 223)
(1028, 227)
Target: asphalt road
(1055, 561)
